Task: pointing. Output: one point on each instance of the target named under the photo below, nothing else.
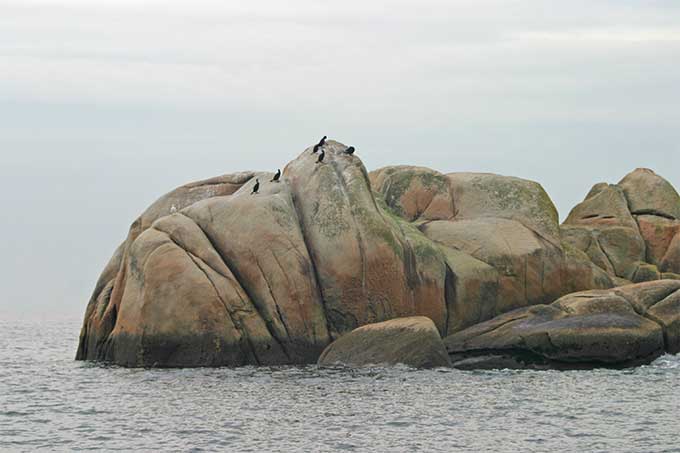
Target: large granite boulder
(228, 278)
(412, 341)
(630, 229)
(649, 193)
(618, 327)
(500, 237)
(368, 269)
(102, 310)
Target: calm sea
(50, 402)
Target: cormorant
(256, 187)
(350, 150)
(276, 176)
(321, 156)
(320, 144)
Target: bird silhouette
(277, 176)
(350, 150)
(321, 156)
(256, 187)
(319, 145)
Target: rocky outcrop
(631, 229)
(499, 235)
(618, 327)
(228, 278)
(212, 275)
(414, 342)
(101, 314)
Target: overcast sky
(106, 105)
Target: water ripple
(48, 401)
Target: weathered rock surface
(413, 341)
(415, 193)
(211, 275)
(502, 245)
(631, 229)
(230, 278)
(618, 327)
(101, 314)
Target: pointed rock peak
(605, 205)
(600, 187)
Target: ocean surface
(50, 402)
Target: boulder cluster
(213, 274)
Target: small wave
(667, 362)
(14, 413)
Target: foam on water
(49, 401)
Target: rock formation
(411, 341)
(499, 236)
(212, 275)
(617, 327)
(630, 229)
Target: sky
(105, 105)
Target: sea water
(50, 402)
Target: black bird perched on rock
(350, 150)
(320, 144)
(276, 176)
(256, 187)
(321, 156)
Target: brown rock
(212, 275)
(483, 195)
(658, 233)
(581, 330)
(646, 273)
(671, 260)
(502, 248)
(580, 273)
(108, 292)
(529, 269)
(645, 295)
(472, 290)
(605, 206)
(414, 192)
(366, 269)
(412, 341)
(629, 229)
(603, 228)
(263, 278)
(667, 314)
(619, 327)
(649, 193)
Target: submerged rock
(411, 341)
(618, 327)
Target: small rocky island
(332, 264)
